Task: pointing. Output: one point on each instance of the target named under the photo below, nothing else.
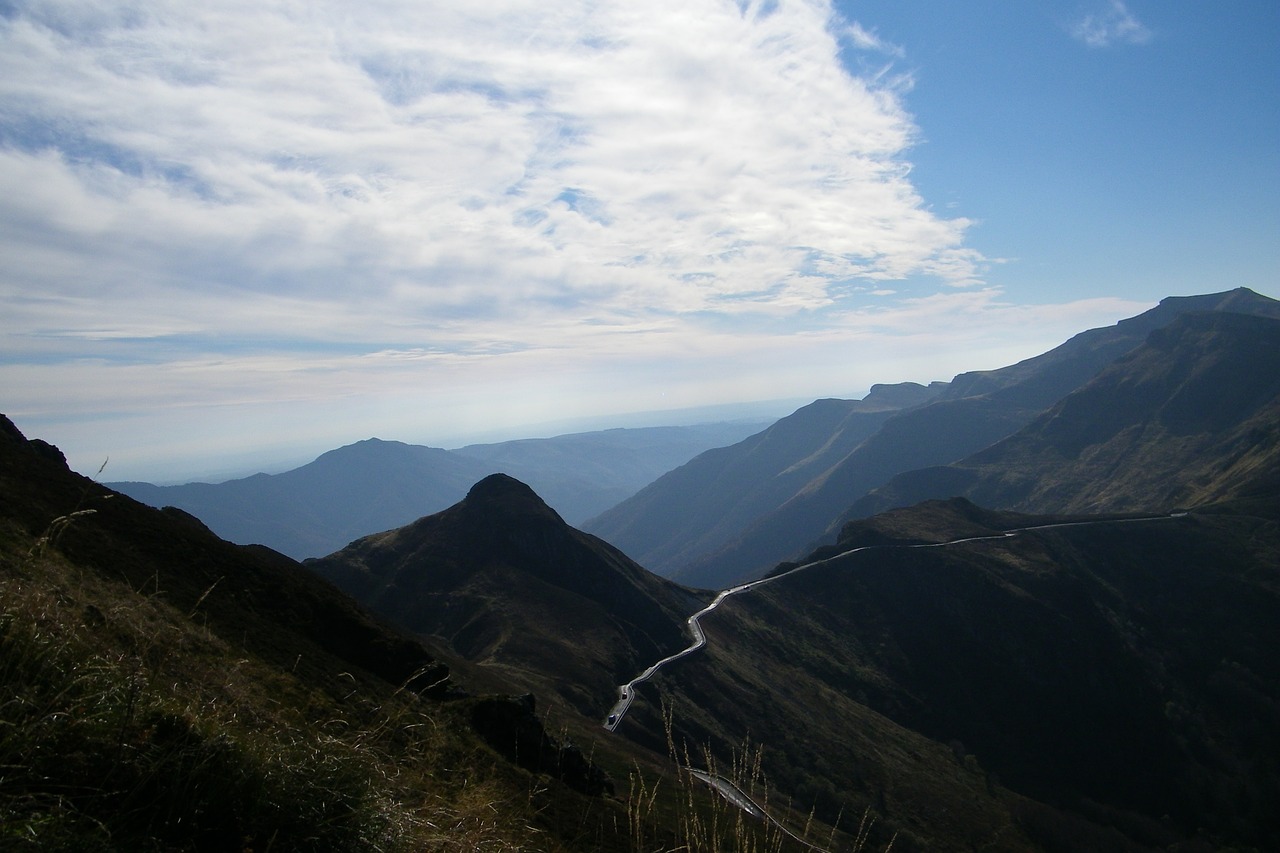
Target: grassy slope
(1123, 674)
(163, 689)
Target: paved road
(738, 797)
(627, 692)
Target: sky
(238, 234)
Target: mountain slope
(705, 503)
(375, 485)
(504, 581)
(164, 689)
(1119, 672)
(1062, 689)
(1187, 418)
(975, 411)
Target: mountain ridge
(1186, 418)
(972, 412)
(702, 504)
(377, 484)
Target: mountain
(375, 485)
(165, 689)
(1103, 684)
(705, 504)
(502, 580)
(1190, 416)
(943, 677)
(321, 506)
(1118, 675)
(972, 412)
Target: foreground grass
(127, 725)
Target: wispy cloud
(1114, 25)
(865, 39)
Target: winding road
(627, 692)
(726, 787)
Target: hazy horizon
(277, 460)
(237, 231)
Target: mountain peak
(504, 496)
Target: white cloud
(619, 158)
(234, 205)
(1114, 25)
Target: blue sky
(242, 233)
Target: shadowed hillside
(503, 580)
(1060, 689)
(1121, 671)
(166, 690)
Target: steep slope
(375, 485)
(164, 689)
(1062, 689)
(871, 682)
(1118, 675)
(169, 551)
(976, 410)
(500, 579)
(706, 503)
(1191, 416)
(505, 582)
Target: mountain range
(1183, 420)
(1071, 680)
(375, 485)
(1059, 639)
(724, 535)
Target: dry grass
(124, 724)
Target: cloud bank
(240, 204)
(420, 158)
